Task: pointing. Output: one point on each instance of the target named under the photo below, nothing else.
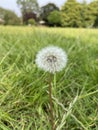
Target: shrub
(31, 21)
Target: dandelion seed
(51, 59)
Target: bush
(31, 22)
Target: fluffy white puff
(51, 59)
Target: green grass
(24, 101)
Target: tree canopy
(71, 14)
(54, 18)
(75, 14)
(46, 10)
(9, 17)
(29, 8)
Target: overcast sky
(11, 4)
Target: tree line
(71, 14)
(8, 17)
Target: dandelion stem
(51, 104)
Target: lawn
(24, 101)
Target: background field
(23, 87)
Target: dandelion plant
(51, 59)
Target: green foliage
(9, 17)
(31, 22)
(54, 18)
(76, 14)
(28, 5)
(94, 12)
(46, 10)
(28, 8)
(24, 101)
(71, 14)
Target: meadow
(24, 98)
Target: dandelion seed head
(51, 59)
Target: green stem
(51, 104)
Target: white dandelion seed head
(51, 59)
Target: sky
(11, 4)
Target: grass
(24, 98)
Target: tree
(87, 18)
(71, 14)
(54, 18)
(94, 12)
(9, 17)
(29, 15)
(46, 10)
(75, 14)
(89, 14)
(28, 7)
